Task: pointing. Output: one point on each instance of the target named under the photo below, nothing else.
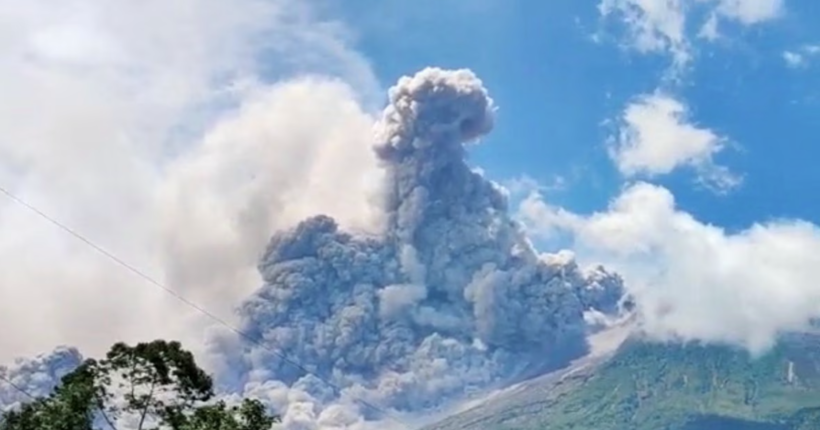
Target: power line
(182, 299)
(33, 397)
(17, 387)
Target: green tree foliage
(158, 385)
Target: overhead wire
(33, 397)
(20, 389)
(139, 273)
(11, 384)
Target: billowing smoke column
(450, 299)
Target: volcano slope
(650, 386)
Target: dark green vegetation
(667, 387)
(155, 385)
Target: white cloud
(147, 127)
(794, 59)
(282, 157)
(523, 185)
(693, 280)
(655, 137)
(654, 25)
(749, 11)
(709, 29)
(663, 26)
(802, 56)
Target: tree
(152, 386)
(251, 415)
(70, 407)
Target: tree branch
(147, 404)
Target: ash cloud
(36, 376)
(449, 299)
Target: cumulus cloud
(263, 168)
(663, 26)
(695, 281)
(655, 137)
(152, 129)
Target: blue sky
(556, 83)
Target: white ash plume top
(436, 110)
(450, 299)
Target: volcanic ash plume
(450, 299)
(36, 376)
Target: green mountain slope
(668, 387)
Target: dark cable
(182, 299)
